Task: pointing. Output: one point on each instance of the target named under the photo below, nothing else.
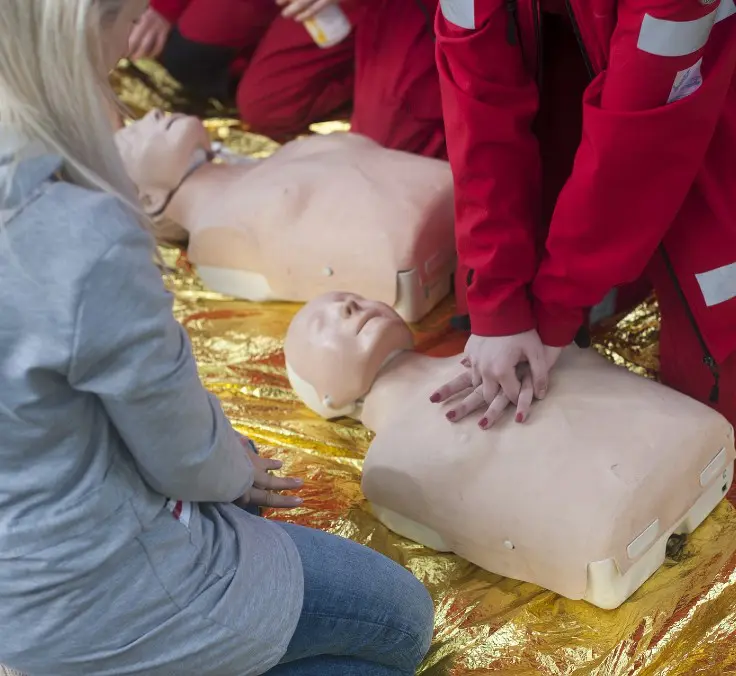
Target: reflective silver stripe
(726, 9)
(718, 285)
(459, 12)
(680, 38)
(675, 38)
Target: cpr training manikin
(581, 499)
(324, 213)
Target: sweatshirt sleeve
(647, 123)
(136, 358)
(490, 100)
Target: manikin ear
(154, 201)
(331, 413)
(322, 406)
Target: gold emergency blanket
(682, 622)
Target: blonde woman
(120, 550)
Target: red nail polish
(435, 398)
(451, 415)
(483, 423)
(519, 418)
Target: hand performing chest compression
(500, 371)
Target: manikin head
(159, 152)
(335, 347)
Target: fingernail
(435, 398)
(451, 415)
(483, 423)
(542, 394)
(519, 417)
(299, 482)
(299, 501)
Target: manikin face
(338, 343)
(158, 151)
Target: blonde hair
(54, 95)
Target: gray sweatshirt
(119, 552)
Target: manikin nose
(348, 308)
(156, 115)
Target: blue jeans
(363, 614)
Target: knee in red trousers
(291, 82)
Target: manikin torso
(580, 499)
(324, 213)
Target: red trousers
(386, 68)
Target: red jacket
(647, 172)
(171, 10)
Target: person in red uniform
(258, 53)
(242, 51)
(591, 141)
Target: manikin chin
(581, 499)
(322, 214)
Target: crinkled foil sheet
(682, 622)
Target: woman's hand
(301, 10)
(551, 355)
(501, 371)
(473, 399)
(148, 38)
(493, 362)
(264, 492)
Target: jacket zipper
(513, 34)
(512, 23)
(539, 36)
(579, 38)
(708, 359)
(427, 18)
